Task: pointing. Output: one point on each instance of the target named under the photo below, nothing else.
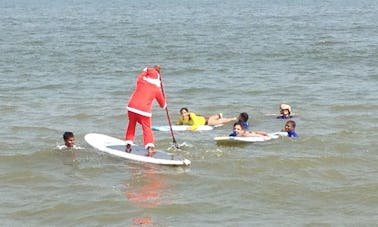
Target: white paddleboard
(250, 139)
(166, 128)
(116, 147)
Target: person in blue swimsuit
(290, 128)
(243, 120)
(285, 112)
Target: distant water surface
(71, 66)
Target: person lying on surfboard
(238, 130)
(194, 120)
(290, 128)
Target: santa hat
(152, 73)
(152, 76)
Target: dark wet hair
(291, 122)
(243, 116)
(238, 123)
(67, 135)
(184, 108)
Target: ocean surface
(71, 66)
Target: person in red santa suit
(139, 107)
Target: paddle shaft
(168, 116)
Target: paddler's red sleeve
(161, 99)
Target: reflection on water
(144, 190)
(68, 65)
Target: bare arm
(256, 133)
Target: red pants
(148, 136)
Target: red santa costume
(148, 88)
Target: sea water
(72, 65)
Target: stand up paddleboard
(116, 147)
(166, 128)
(250, 139)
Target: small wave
(61, 147)
(354, 108)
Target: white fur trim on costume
(153, 81)
(143, 113)
(149, 145)
(129, 142)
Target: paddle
(168, 116)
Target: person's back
(147, 89)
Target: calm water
(71, 65)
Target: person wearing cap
(139, 107)
(285, 112)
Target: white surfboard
(116, 147)
(279, 133)
(250, 139)
(166, 128)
